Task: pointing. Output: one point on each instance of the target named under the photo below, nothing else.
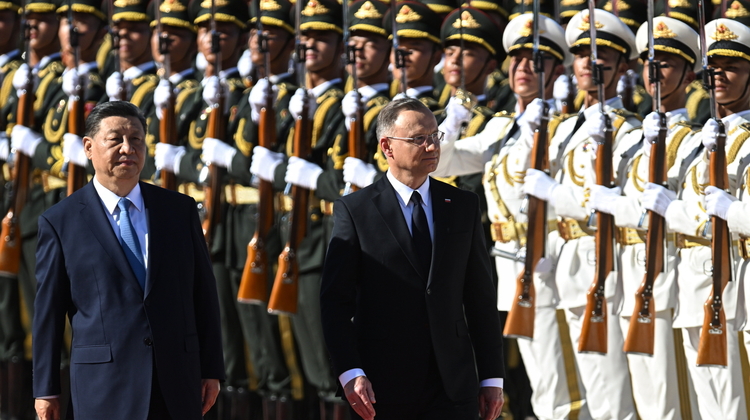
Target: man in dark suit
(127, 262)
(407, 297)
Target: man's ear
(88, 143)
(689, 77)
(385, 146)
(437, 55)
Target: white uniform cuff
(493, 382)
(350, 374)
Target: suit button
(429, 291)
(147, 341)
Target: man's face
(420, 58)
(732, 82)
(676, 74)
(181, 43)
(117, 150)
(475, 61)
(523, 79)
(584, 71)
(372, 53)
(278, 40)
(229, 39)
(407, 156)
(44, 28)
(134, 41)
(8, 23)
(88, 27)
(323, 47)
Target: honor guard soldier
(654, 377)
(604, 376)
(498, 153)
(719, 390)
(10, 60)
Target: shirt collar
(370, 91)
(276, 78)
(415, 92)
(5, 58)
(179, 77)
(46, 60)
(676, 115)
(111, 199)
(229, 73)
(731, 120)
(86, 68)
(321, 88)
(136, 71)
(610, 104)
(405, 192)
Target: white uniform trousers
(605, 377)
(719, 390)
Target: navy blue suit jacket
(122, 334)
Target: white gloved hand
(114, 86)
(561, 88)
(24, 139)
(257, 98)
(168, 157)
(531, 119)
(296, 103)
(349, 106)
(456, 114)
(604, 199)
(657, 198)
(709, 134)
(302, 173)
(70, 81)
(264, 163)
(539, 184)
(595, 127)
(4, 146)
(21, 78)
(211, 90)
(718, 202)
(217, 152)
(162, 94)
(650, 131)
(73, 150)
(358, 172)
(245, 64)
(622, 85)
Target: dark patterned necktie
(420, 232)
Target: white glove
(709, 134)
(561, 88)
(21, 78)
(622, 85)
(70, 81)
(358, 172)
(718, 202)
(302, 173)
(114, 86)
(24, 139)
(531, 118)
(264, 163)
(162, 93)
(211, 90)
(296, 103)
(4, 146)
(73, 150)
(349, 106)
(455, 115)
(168, 157)
(657, 198)
(604, 199)
(217, 152)
(257, 98)
(539, 184)
(650, 131)
(200, 61)
(245, 64)
(595, 127)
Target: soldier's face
(677, 74)
(117, 151)
(134, 41)
(523, 79)
(423, 55)
(732, 83)
(8, 24)
(406, 156)
(475, 61)
(181, 43)
(44, 28)
(372, 53)
(278, 40)
(323, 47)
(90, 33)
(229, 40)
(584, 71)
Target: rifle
(594, 330)
(356, 124)
(627, 94)
(712, 347)
(286, 285)
(520, 322)
(115, 35)
(76, 117)
(254, 284)
(640, 338)
(466, 98)
(568, 104)
(10, 245)
(168, 122)
(215, 129)
(398, 53)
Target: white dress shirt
(403, 193)
(137, 210)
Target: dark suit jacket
(400, 314)
(121, 334)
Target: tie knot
(124, 204)
(416, 198)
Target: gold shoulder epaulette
(378, 100)
(503, 114)
(235, 84)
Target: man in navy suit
(127, 263)
(407, 298)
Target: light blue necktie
(130, 244)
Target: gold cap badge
(269, 5)
(585, 25)
(737, 10)
(466, 21)
(314, 8)
(367, 11)
(723, 33)
(406, 14)
(662, 31)
(170, 6)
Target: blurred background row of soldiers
(218, 82)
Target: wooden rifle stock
(254, 284)
(76, 125)
(212, 201)
(712, 347)
(286, 285)
(10, 236)
(640, 338)
(520, 322)
(356, 139)
(594, 331)
(168, 135)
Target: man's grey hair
(389, 114)
(112, 109)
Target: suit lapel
(93, 212)
(155, 219)
(441, 209)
